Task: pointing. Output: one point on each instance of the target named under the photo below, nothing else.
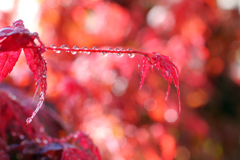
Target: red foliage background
(100, 95)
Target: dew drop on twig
(54, 47)
(64, 46)
(57, 51)
(131, 55)
(29, 120)
(74, 47)
(95, 48)
(118, 54)
(104, 54)
(85, 48)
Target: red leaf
(167, 69)
(7, 62)
(38, 66)
(15, 37)
(12, 40)
(145, 68)
(81, 147)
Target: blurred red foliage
(100, 95)
(19, 141)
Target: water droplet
(35, 34)
(75, 47)
(64, 46)
(53, 46)
(104, 54)
(29, 120)
(131, 55)
(41, 93)
(95, 48)
(87, 52)
(120, 54)
(110, 49)
(139, 65)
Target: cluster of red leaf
(25, 40)
(167, 69)
(12, 40)
(100, 96)
(17, 140)
(17, 34)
